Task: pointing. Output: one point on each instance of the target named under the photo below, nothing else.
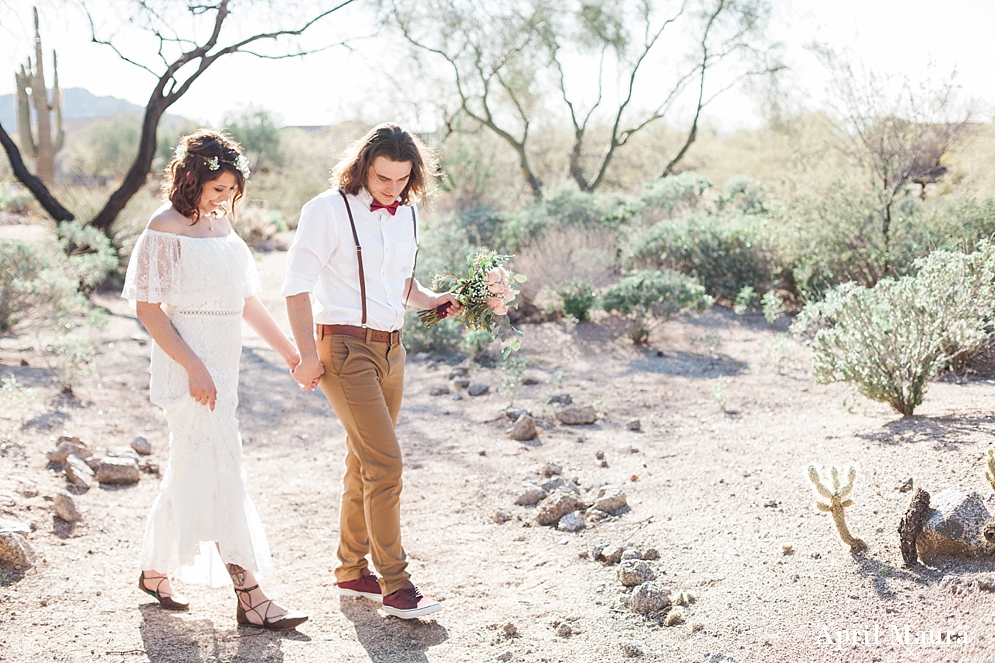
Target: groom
(355, 250)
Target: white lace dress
(202, 283)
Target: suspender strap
(414, 230)
(359, 254)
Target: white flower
(181, 152)
(212, 163)
(242, 163)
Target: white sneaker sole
(414, 612)
(376, 598)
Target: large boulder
(115, 470)
(556, 505)
(577, 415)
(954, 525)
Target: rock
(608, 553)
(479, 389)
(458, 372)
(551, 470)
(955, 524)
(501, 516)
(577, 415)
(531, 381)
(514, 413)
(13, 526)
(524, 429)
(564, 630)
(717, 658)
(457, 396)
(504, 657)
(631, 553)
(114, 470)
(652, 553)
(633, 649)
(461, 383)
(121, 452)
(510, 629)
(632, 572)
(610, 499)
(440, 391)
(65, 508)
(68, 446)
(93, 463)
(78, 473)
(141, 446)
(531, 496)
(16, 552)
(556, 505)
(635, 424)
(549, 485)
(560, 399)
(572, 522)
(911, 524)
(595, 516)
(648, 597)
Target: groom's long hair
(394, 143)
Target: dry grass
(565, 254)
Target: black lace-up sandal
(167, 601)
(288, 620)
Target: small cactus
(837, 502)
(990, 472)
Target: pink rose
(497, 288)
(494, 302)
(493, 276)
(501, 310)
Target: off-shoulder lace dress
(202, 283)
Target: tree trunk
(34, 185)
(139, 171)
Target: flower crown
(213, 163)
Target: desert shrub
(746, 300)
(565, 207)
(724, 253)
(16, 402)
(889, 340)
(745, 195)
(577, 298)
(484, 226)
(442, 245)
(443, 338)
(21, 265)
(16, 200)
(90, 256)
(676, 194)
(772, 305)
(256, 224)
(512, 377)
(647, 298)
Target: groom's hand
(308, 373)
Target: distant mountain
(76, 103)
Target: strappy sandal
(165, 600)
(289, 620)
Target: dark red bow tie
(376, 204)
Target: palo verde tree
(611, 67)
(176, 59)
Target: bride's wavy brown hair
(184, 178)
(390, 141)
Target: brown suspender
(359, 253)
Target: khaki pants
(364, 382)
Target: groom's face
(387, 179)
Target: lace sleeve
(154, 269)
(250, 275)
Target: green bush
(724, 253)
(647, 298)
(889, 340)
(90, 256)
(567, 207)
(676, 194)
(484, 226)
(745, 195)
(16, 200)
(773, 306)
(746, 300)
(443, 338)
(577, 297)
(21, 265)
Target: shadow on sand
(390, 640)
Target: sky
(913, 38)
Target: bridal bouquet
(485, 293)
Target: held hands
(202, 386)
(308, 373)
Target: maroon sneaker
(365, 586)
(409, 603)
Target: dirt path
(715, 481)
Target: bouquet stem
(432, 316)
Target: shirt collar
(366, 197)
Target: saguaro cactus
(837, 502)
(31, 91)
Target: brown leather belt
(375, 335)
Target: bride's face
(216, 193)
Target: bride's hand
(202, 387)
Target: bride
(193, 280)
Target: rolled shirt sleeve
(314, 243)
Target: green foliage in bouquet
(647, 298)
(485, 293)
(889, 340)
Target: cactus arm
(823, 507)
(836, 479)
(990, 473)
(813, 476)
(27, 140)
(56, 104)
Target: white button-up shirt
(323, 260)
